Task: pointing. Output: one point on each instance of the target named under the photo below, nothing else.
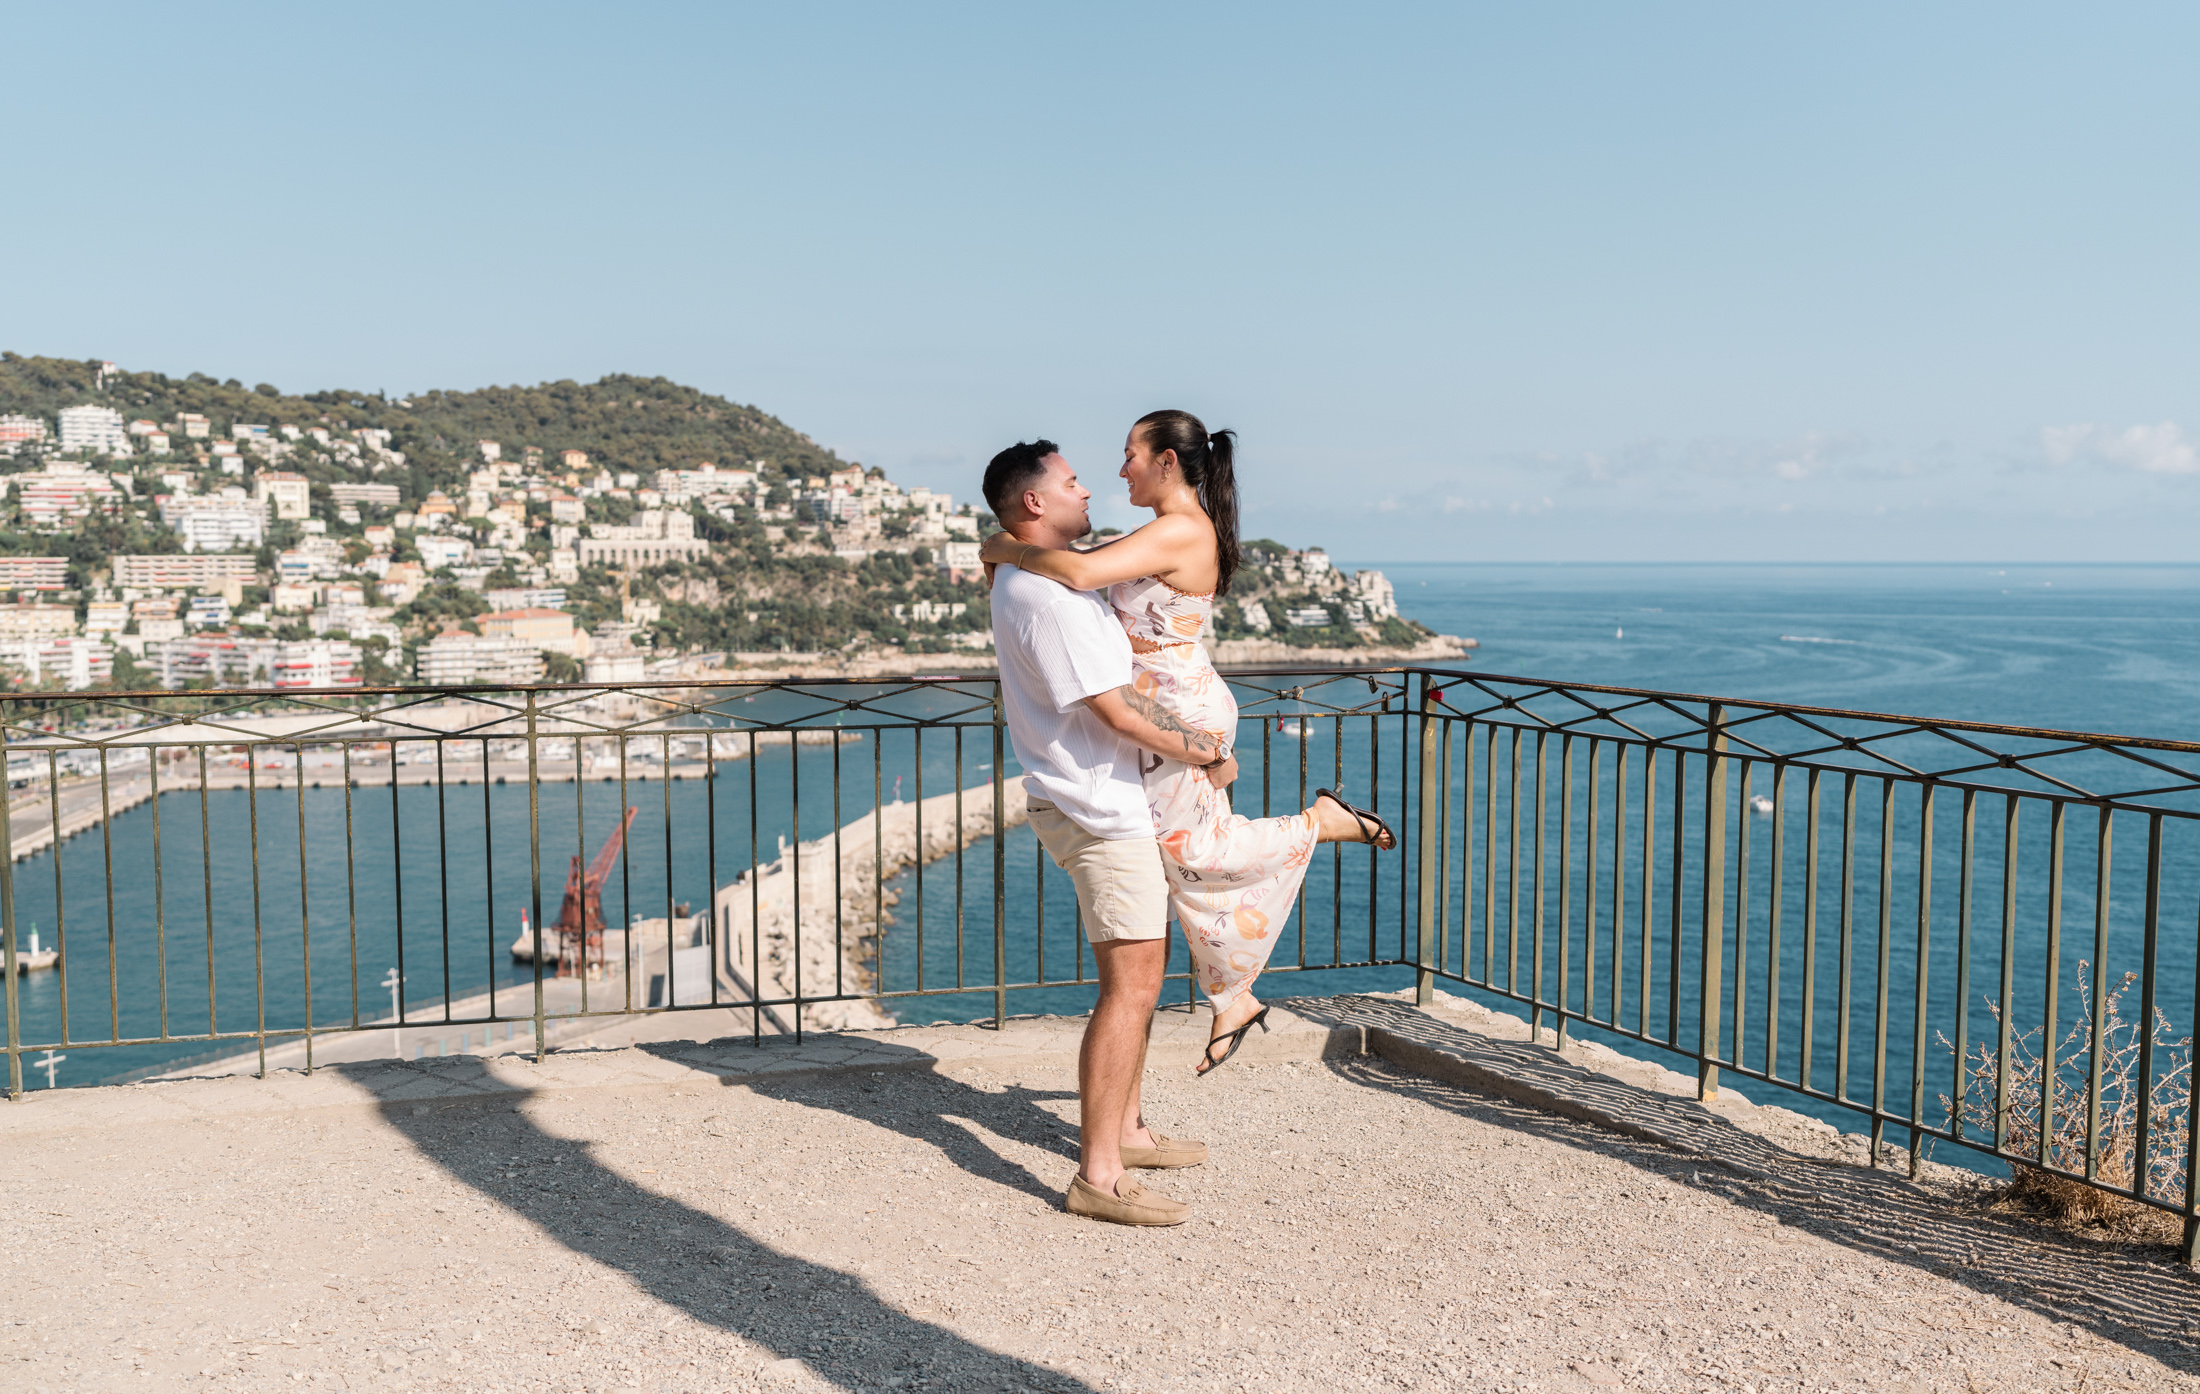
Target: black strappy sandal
(1365, 816)
(1235, 1038)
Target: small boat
(1760, 804)
(1620, 633)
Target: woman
(1232, 880)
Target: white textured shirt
(1057, 647)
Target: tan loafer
(1132, 1204)
(1166, 1153)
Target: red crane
(580, 918)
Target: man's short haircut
(1012, 471)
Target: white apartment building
(71, 662)
(315, 663)
(19, 431)
(703, 482)
(34, 573)
(956, 558)
(655, 536)
(832, 506)
(216, 660)
(64, 491)
(374, 495)
(930, 611)
(225, 660)
(358, 621)
(224, 522)
(173, 571)
(622, 664)
(37, 621)
(290, 495)
(315, 559)
(455, 658)
(195, 426)
(441, 553)
(97, 429)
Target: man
(1077, 726)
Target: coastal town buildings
(498, 562)
(64, 660)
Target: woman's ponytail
(1209, 462)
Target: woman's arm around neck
(1168, 545)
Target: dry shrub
(2054, 1189)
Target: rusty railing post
(1424, 955)
(7, 920)
(1714, 908)
(534, 867)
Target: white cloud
(2162, 449)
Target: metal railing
(1867, 911)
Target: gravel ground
(1360, 1228)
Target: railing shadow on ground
(702, 1264)
(932, 1104)
(2113, 1290)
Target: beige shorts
(1121, 886)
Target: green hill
(623, 422)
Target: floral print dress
(1232, 880)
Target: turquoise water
(2100, 648)
(2090, 648)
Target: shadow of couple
(715, 1271)
(850, 1334)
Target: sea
(355, 885)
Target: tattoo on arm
(1199, 747)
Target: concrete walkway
(1397, 1199)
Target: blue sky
(1705, 282)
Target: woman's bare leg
(1333, 824)
(1239, 1010)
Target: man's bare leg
(1134, 1133)
(1112, 1060)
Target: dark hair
(1011, 472)
(1206, 459)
